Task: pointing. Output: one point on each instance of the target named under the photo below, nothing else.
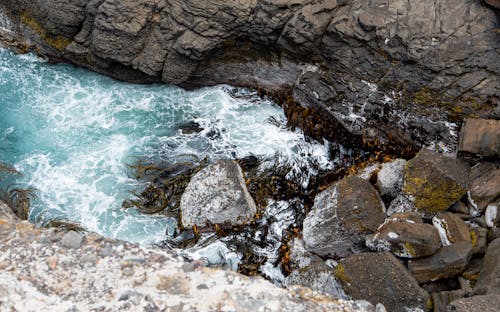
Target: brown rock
(479, 239)
(484, 189)
(434, 181)
(449, 261)
(480, 137)
(488, 303)
(341, 217)
(489, 278)
(380, 277)
(493, 3)
(52, 262)
(405, 239)
(441, 299)
(451, 227)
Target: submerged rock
(480, 137)
(390, 178)
(341, 216)
(449, 261)
(489, 278)
(405, 238)
(217, 194)
(380, 277)
(434, 182)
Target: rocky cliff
(395, 74)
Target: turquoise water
(73, 132)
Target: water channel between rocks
(74, 133)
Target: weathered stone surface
(109, 275)
(341, 216)
(395, 288)
(492, 214)
(434, 182)
(451, 228)
(72, 239)
(484, 189)
(415, 65)
(311, 271)
(217, 194)
(479, 239)
(489, 278)
(401, 204)
(390, 178)
(441, 299)
(480, 137)
(487, 303)
(405, 239)
(449, 261)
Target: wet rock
(190, 127)
(390, 178)
(480, 137)
(311, 271)
(451, 228)
(441, 299)
(405, 239)
(449, 261)
(217, 194)
(395, 288)
(400, 204)
(487, 303)
(341, 216)
(489, 278)
(434, 182)
(72, 239)
(484, 189)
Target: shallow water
(73, 134)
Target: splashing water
(73, 133)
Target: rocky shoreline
(418, 233)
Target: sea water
(74, 133)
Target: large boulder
(480, 137)
(489, 278)
(405, 238)
(434, 181)
(217, 195)
(380, 277)
(341, 216)
(449, 261)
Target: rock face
(434, 181)
(449, 261)
(489, 278)
(415, 65)
(480, 137)
(380, 277)
(405, 238)
(37, 274)
(341, 216)
(217, 195)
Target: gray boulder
(448, 262)
(434, 181)
(380, 277)
(341, 216)
(489, 278)
(390, 178)
(217, 195)
(311, 271)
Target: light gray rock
(390, 178)
(401, 204)
(217, 195)
(341, 216)
(72, 239)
